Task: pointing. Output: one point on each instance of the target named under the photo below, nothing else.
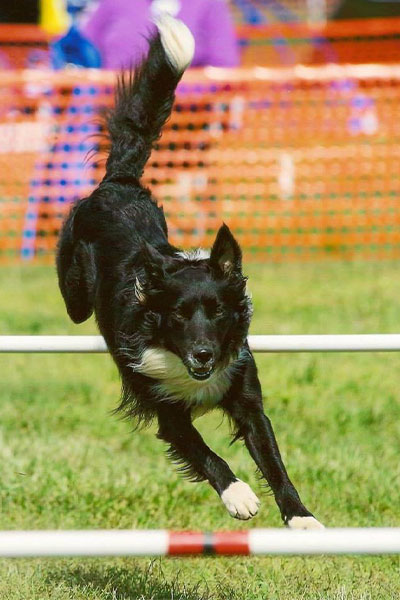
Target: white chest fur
(175, 382)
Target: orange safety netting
(344, 41)
(22, 46)
(265, 11)
(302, 163)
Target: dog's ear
(155, 263)
(226, 254)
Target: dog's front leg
(244, 404)
(200, 463)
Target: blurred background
(286, 127)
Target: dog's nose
(203, 355)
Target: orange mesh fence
(22, 46)
(352, 41)
(302, 163)
(267, 11)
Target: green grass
(67, 463)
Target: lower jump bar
(14, 544)
(378, 342)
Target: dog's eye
(178, 315)
(219, 311)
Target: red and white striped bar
(24, 544)
(377, 342)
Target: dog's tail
(144, 99)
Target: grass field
(67, 463)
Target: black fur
(114, 258)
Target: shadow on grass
(107, 582)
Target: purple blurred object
(120, 28)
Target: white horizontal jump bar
(52, 343)
(382, 342)
(325, 541)
(158, 542)
(83, 543)
(326, 343)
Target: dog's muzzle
(201, 364)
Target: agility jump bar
(20, 544)
(377, 342)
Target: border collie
(175, 322)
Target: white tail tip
(177, 41)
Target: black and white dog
(175, 323)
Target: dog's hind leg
(198, 462)
(244, 405)
(76, 275)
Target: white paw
(240, 500)
(304, 523)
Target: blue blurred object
(74, 7)
(73, 47)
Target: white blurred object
(237, 108)
(172, 7)
(286, 175)
(370, 122)
(316, 11)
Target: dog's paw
(304, 523)
(240, 500)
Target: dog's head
(203, 311)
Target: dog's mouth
(201, 373)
